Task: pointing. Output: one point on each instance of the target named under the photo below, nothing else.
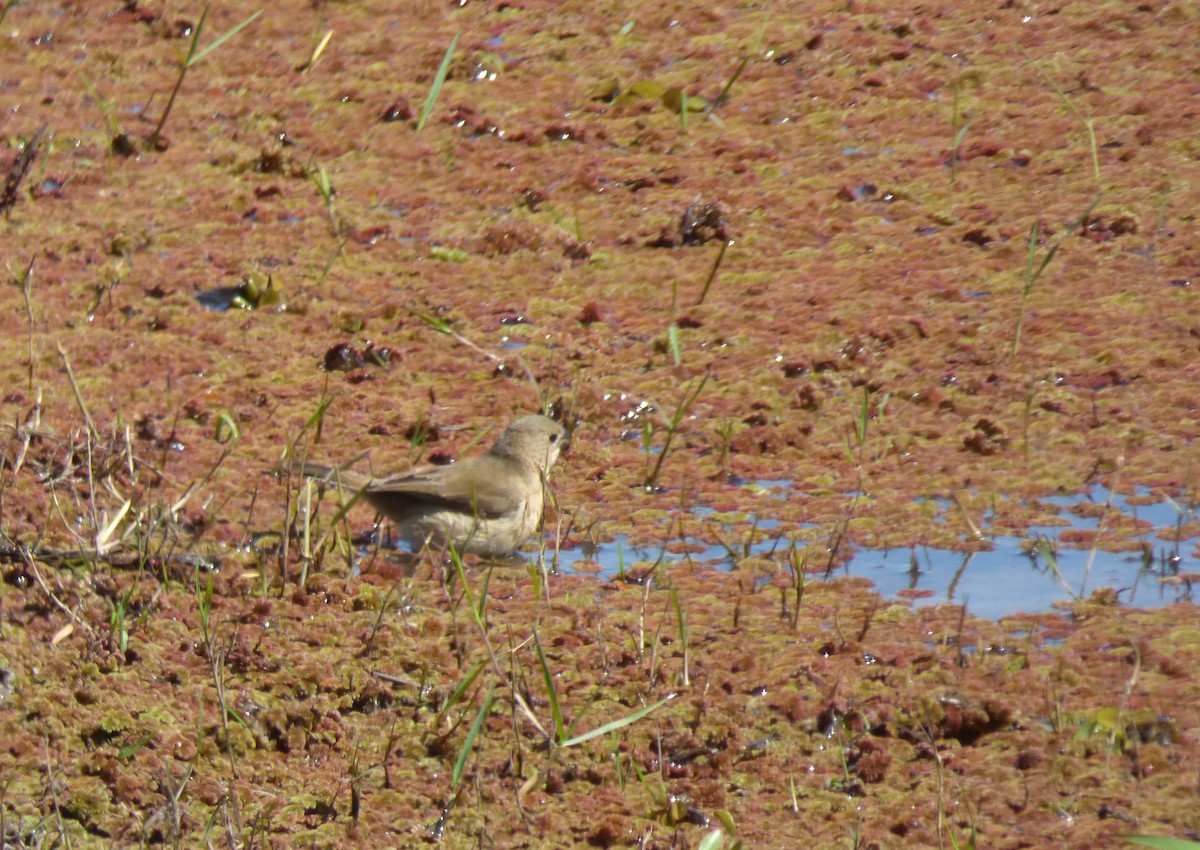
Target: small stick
(87, 417)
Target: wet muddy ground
(929, 266)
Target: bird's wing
(487, 487)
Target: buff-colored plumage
(488, 505)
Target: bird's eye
(554, 438)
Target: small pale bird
(488, 505)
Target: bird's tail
(346, 478)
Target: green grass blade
(659, 794)
(620, 723)
(864, 417)
(436, 88)
(194, 57)
(196, 37)
(689, 399)
(323, 404)
(458, 692)
(476, 607)
(691, 393)
(1160, 842)
(472, 734)
(551, 691)
(1046, 260)
(724, 95)
(1081, 225)
(4, 12)
(440, 325)
(1033, 237)
(227, 430)
(483, 592)
(958, 138)
(681, 619)
(1088, 124)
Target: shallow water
(1014, 576)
